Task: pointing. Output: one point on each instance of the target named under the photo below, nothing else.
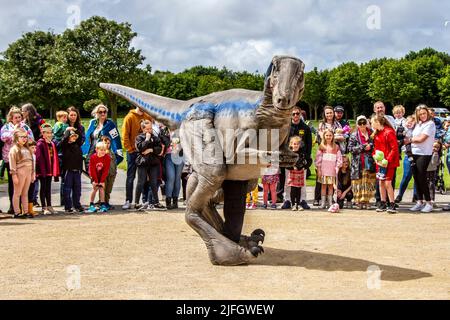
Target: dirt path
(312, 255)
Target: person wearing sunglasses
(363, 174)
(98, 127)
(301, 129)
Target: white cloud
(244, 35)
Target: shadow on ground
(330, 262)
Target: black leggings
(46, 191)
(420, 173)
(296, 195)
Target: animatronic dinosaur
(214, 179)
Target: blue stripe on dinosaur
(224, 109)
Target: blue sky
(244, 34)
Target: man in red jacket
(98, 170)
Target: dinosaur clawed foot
(256, 251)
(254, 242)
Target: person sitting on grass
(98, 170)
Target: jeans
(152, 173)
(407, 176)
(173, 176)
(72, 189)
(131, 174)
(448, 161)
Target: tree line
(54, 71)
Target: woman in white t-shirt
(422, 148)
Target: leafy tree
(24, 67)
(181, 86)
(428, 70)
(395, 82)
(245, 80)
(344, 87)
(315, 90)
(428, 52)
(98, 50)
(208, 84)
(444, 87)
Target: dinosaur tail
(165, 110)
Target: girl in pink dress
(328, 162)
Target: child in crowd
(22, 172)
(32, 146)
(432, 170)
(72, 164)
(270, 180)
(98, 170)
(344, 185)
(109, 183)
(47, 167)
(148, 165)
(60, 126)
(296, 175)
(252, 199)
(328, 162)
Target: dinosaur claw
(257, 251)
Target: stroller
(440, 182)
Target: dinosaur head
(285, 81)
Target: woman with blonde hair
(98, 127)
(422, 141)
(14, 121)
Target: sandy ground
(313, 255)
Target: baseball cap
(339, 109)
(361, 118)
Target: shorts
(385, 174)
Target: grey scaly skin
(199, 121)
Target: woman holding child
(98, 127)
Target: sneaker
(143, 207)
(398, 199)
(92, 209)
(273, 206)
(159, 207)
(392, 209)
(265, 206)
(68, 211)
(300, 208)
(446, 208)
(418, 207)
(79, 210)
(316, 203)
(294, 208)
(254, 206)
(103, 208)
(427, 208)
(127, 205)
(150, 207)
(20, 216)
(248, 206)
(46, 212)
(52, 211)
(382, 207)
(304, 205)
(286, 205)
